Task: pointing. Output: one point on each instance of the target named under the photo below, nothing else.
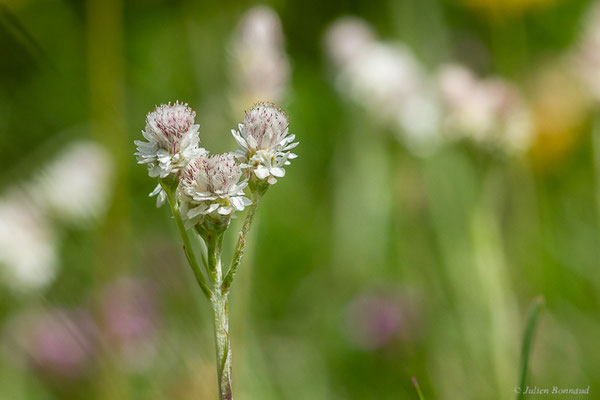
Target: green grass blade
(527, 341)
(417, 388)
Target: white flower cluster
(265, 143)
(172, 140)
(213, 186)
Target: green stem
(240, 248)
(187, 246)
(223, 346)
(527, 341)
(219, 301)
(214, 243)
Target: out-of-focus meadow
(448, 173)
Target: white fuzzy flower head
(265, 142)
(210, 186)
(172, 140)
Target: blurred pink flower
(376, 320)
(130, 319)
(58, 342)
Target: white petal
(160, 199)
(261, 172)
(212, 208)
(225, 210)
(155, 171)
(291, 146)
(237, 203)
(156, 190)
(239, 139)
(251, 142)
(278, 172)
(194, 212)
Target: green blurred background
(370, 262)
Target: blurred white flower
(490, 111)
(347, 39)
(260, 65)
(386, 80)
(75, 187)
(586, 55)
(27, 244)
(265, 142)
(211, 185)
(172, 140)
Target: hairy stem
(223, 345)
(240, 248)
(220, 306)
(187, 246)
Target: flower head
(210, 186)
(172, 140)
(265, 143)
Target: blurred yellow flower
(560, 107)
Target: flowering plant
(206, 191)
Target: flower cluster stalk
(205, 191)
(218, 295)
(187, 245)
(240, 248)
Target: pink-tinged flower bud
(265, 142)
(172, 140)
(211, 185)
